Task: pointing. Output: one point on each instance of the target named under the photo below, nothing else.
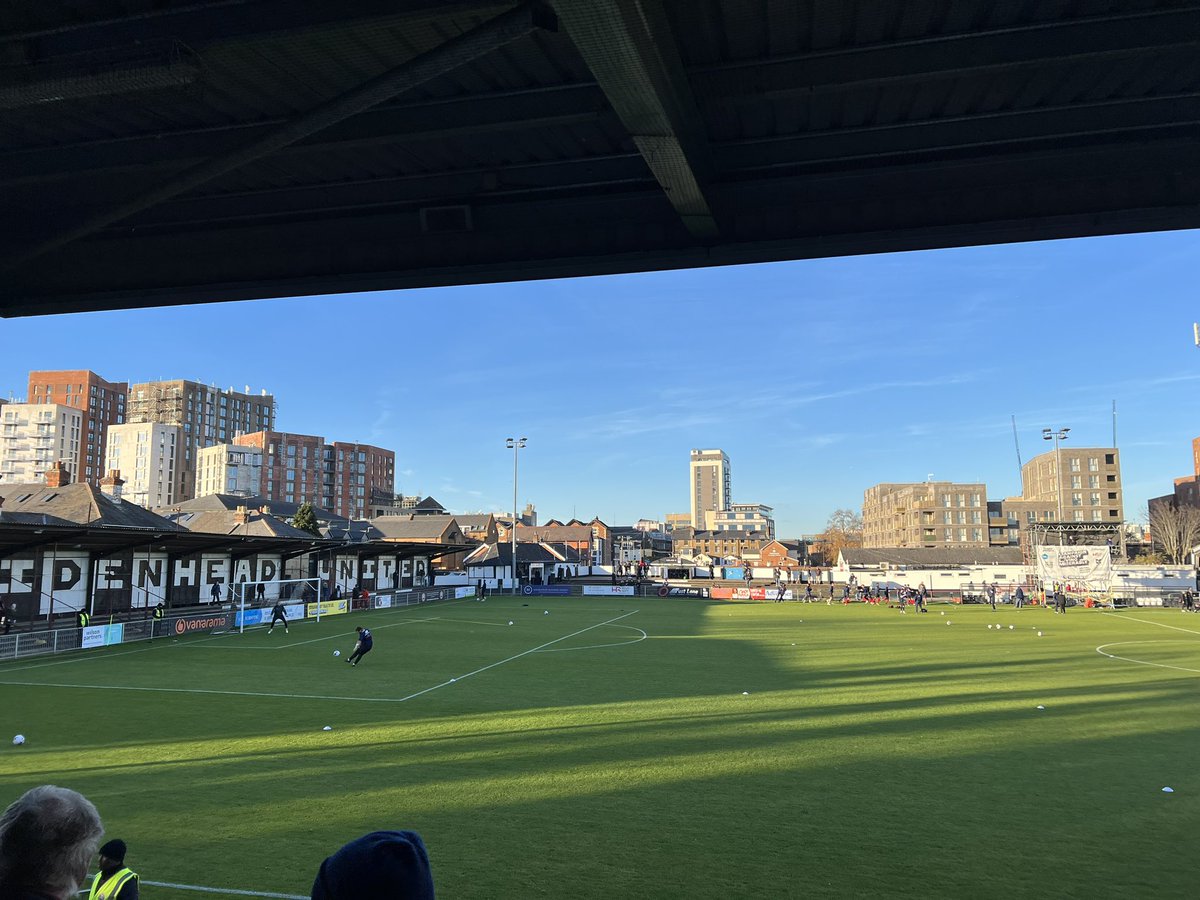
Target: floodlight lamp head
(1046, 432)
(509, 443)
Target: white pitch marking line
(1143, 662)
(519, 655)
(601, 646)
(225, 891)
(473, 622)
(1148, 622)
(165, 690)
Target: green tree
(306, 520)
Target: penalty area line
(1148, 622)
(517, 656)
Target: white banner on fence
(1083, 567)
(622, 590)
(101, 635)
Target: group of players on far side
(362, 646)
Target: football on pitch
(337, 652)
(19, 739)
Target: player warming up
(277, 615)
(363, 647)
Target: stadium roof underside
(16, 538)
(156, 153)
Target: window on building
(1093, 464)
(1076, 481)
(1110, 479)
(1110, 459)
(976, 518)
(1095, 499)
(1074, 463)
(1093, 481)
(1077, 499)
(962, 534)
(1079, 515)
(946, 500)
(977, 535)
(1097, 515)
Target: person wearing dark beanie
(382, 865)
(114, 881)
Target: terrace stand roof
(159, 153)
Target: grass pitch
(634, 747)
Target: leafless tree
(1175, 527)
(844, 529)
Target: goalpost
(251, 606)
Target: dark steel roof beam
(847, 147)
(199, 24)
(385, 124)
(457, 186)
(456, 52)
(629, 48)
(1012, 49)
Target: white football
(19, 739)
(337, 652)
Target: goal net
(266, 593)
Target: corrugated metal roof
(720, 131)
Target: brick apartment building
(207, 414)
(340, 477)
(102, 403)
(925, 514)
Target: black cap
(114, 850)
(383, 865)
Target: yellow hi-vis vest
(112, 885)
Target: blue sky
(818, 378)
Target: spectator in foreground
(47, 839)
(382, 865)
(114, 881)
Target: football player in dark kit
(363, 647)
(278, 616)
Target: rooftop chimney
(241, 515)
(58, 475)
(111, 483)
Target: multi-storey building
(35, 436)
(339, 477)
(208, 415)
(360, 471)
(146, 454)
(711, 486)
(926, 514)
(1086, 487)
(718, 545)
(102, 403)
(673, 521)
(741, 517)
(229, 469)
